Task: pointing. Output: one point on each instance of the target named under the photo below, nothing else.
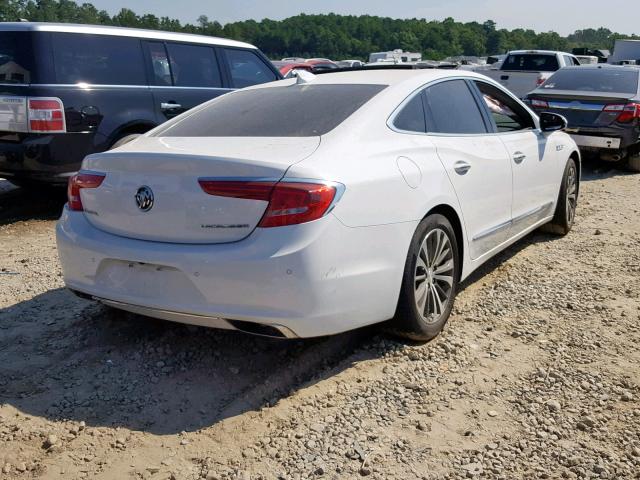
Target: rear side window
(452, 108)
(97, 59)
(247, 68)
(193, 66)
(586, 79)
(292, 111)
(531, 62)
(16, 57)
(411, 117)
(507, 114)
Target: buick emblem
(144, 198)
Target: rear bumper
(607, 138)
(45, 158)
(313, 279)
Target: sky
(562, 16)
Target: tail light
(78, 182)
(540, 81)
(540, 104)
(46, 115)
(290, 203)
(626, 112)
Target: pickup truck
(525, 70)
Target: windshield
(291, 111)
(16, 57)
(531, 63)
(594, 80)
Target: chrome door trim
(492, 230)
(513, 221)
(530, 213)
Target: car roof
(120, 32)
(390, 76)
(535, 52)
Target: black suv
(70, 90)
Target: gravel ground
(536, 376)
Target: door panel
(480, 172)
(534, 185)
(533, 172)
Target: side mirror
(552, 122)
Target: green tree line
(333, 36)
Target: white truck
(524, 70)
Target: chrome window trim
(122, 32)
(397, 110)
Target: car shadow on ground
(17, 204)
(67, 358)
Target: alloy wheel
(433, 278)
(572, 194)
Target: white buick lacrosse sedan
(316, 205)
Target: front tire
(430, 281)
(567, 201)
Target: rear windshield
(292, 111)
(531, 63)
(594, 80)
(16, 57)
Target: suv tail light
(626, 113)
(46, 115)
(79, 181)
(290, 203)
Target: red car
(286, 67)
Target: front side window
(507, 114)
(98, 59)
(411, 117)
(452, 109)
(193, 66)
(292, 111)
(247, 68)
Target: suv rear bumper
(45, 158)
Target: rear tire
(430, 281)
(633, 163)
(567, 202)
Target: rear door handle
(461, 168)
(170, 106)
(504, 77)
(519, 157)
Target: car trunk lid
(169, 168)
(583, 109)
